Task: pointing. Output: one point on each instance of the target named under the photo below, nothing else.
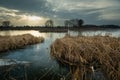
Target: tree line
(50, 23)
(67, 23)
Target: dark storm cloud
(92, 11)
(27, 5)
(39, 7)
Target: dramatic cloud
(29, 11)
(20, 18)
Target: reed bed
(86, 54)
(19, 41)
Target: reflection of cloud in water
(103, 33)
(37, 33)
(12, 33)
(33, 32)
(114, 33)
(8, 62)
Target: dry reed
(85, 52)
(19, 41)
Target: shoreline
(55, 29)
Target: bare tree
(49, 23)
(73, 23)
(80, 22)
(6, 23)
(67, 23)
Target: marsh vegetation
(87, 54)
(46, 67)
(18, 41)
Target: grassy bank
(19, 41)
(86, 54)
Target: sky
(37, 12)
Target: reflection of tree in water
(79, 33)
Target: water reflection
(43, 67)
(12, 33)
(9, 62)
(113, 33)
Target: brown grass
(19, 41)
(84, 52)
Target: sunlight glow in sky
(36, 12)
(34, 18)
